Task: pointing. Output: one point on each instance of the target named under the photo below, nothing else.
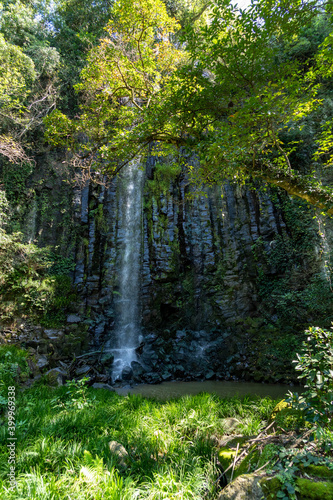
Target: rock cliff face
(216, 270)
(199, 261)
(205, 262)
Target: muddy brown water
(169, 390)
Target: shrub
(13, 368)
(315, 364)
(33, 282)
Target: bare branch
(12, 150)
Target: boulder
(127, 373)
(119, 451)
(166, 376)
(152, 378)
(53, 334)
(230, 424)
(73, 318)
(138, 370)
(41, 361)
(245, 487)
(209, 375)
(56, 376)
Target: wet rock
(148, 358)
(41, 361)
(82, 370)
(107, 359)
(152, 378)
(99, 330)
(73, 318)
(139, 350)
(179, 370)
(166, 376)
(210, 375)
(104, 300)
(127, 373)
(138, 371)
(56, 376)
(159, 342)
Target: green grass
(63, 437)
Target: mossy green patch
(319, 471)
(270, 487)
(249, 463)
(226, 456)
(311, 490)
(308, 489)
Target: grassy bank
(75, 443)
(63, 436)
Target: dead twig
(245, 451)
(234, 463)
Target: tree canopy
(248, 92)
(27, 80)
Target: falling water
(127, 327)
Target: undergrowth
(75, 442)
(64, 433)
(34, 282)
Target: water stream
(223, 389)
(127, 329)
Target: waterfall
(127, 304)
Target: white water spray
(127, 308)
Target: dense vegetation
(249, 93)
(240, 88)
(248, 90)
(75, 442)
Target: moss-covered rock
(270, 487)
(311, 490)
(245, 487)
(319, 471)
(285, 416)
(230, 424)
(226, 456)
(308, 489)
